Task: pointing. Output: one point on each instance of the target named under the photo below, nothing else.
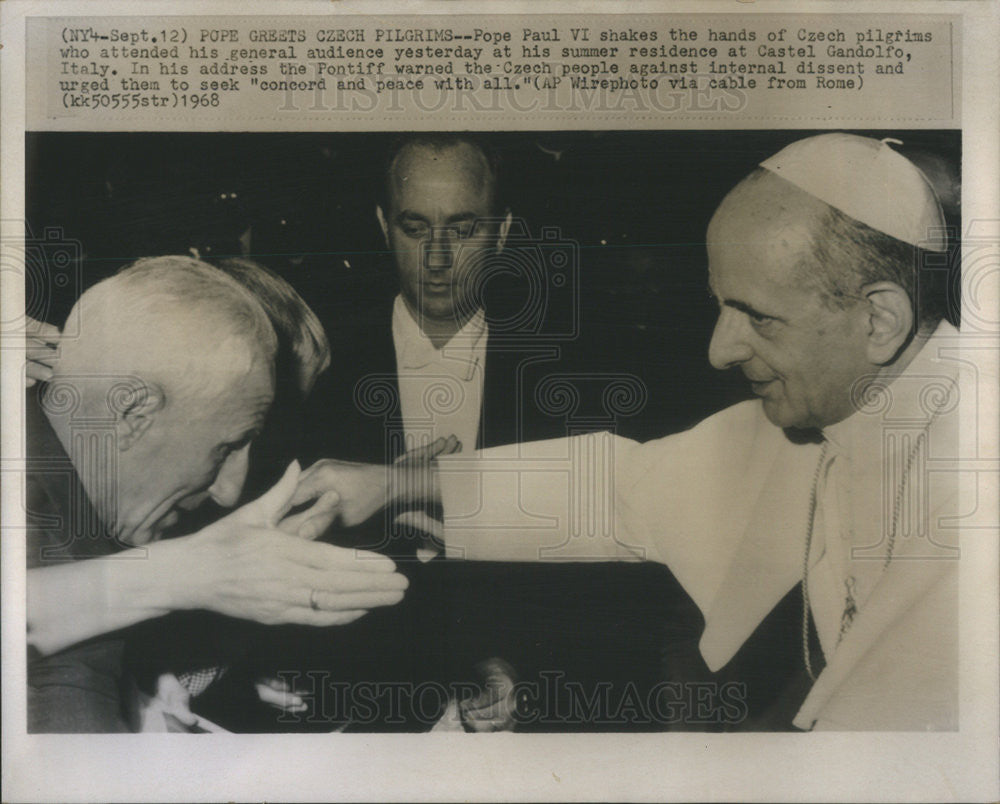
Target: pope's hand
(358, 489)
(247, 566)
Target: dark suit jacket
(354, 413)
(77, 689)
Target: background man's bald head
(469, 158)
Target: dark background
(637, 203)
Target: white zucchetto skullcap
(867, 180)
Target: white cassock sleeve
(679, 500)
(536, 501)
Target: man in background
(450, 358)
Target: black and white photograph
(423, 295)
(420, 440)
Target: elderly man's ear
(137, 411)
(890, 321)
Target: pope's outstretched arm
(680, 500)
(520, 502)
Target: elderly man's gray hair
(175, 320)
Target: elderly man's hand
(245, 566)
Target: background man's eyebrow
(461, 217)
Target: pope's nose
(728, 346)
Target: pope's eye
(759, 321)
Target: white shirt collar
(414, 349)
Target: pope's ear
(890, 321)
(382, 223)
(135, 411)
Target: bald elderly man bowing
(814, 527)
(138, 423)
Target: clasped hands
(261, 563)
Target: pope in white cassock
(842, 478)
